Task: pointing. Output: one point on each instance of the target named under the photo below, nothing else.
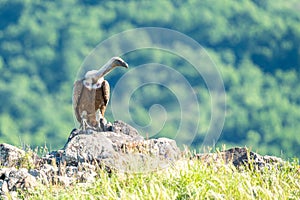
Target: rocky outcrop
(121, 152)
(121, 149)
(118, 148)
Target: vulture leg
(84, 122)
(99, 118)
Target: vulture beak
(118, 62)
(124, 64)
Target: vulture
(91, 94)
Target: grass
(186, 179)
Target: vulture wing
(77, 91)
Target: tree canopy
(254, 44)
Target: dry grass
(186, 179)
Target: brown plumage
(91, 94)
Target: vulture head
(117, 62)
(94, 78)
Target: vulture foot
(104, 125)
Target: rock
(121, 151)
(86, 148)
(54, 157)
(122, 148)
(86, 173)
(47, 174)
(4, 187)
(20, 179)
(65, 180)
(3, 190)
(10, 156)
(12, 179)
(121, 127)
(34, 172)
(240, 157)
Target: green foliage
(255, 45)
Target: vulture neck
(103, 71)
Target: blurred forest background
(255, 45)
